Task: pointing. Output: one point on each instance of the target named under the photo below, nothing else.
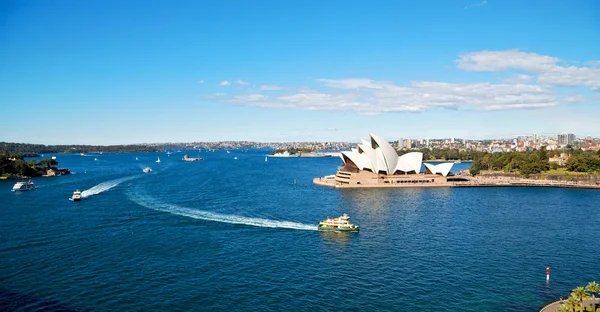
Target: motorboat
(147, 169)
(341, 223)
(76, 195)
(158, 159)
(23, 186)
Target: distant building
(566, 139)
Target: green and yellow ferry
(338, 224)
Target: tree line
(527, 163)
(32, 150)
(13, 165)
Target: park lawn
(562, 171)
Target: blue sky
(119, 72)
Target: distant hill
(29, 150)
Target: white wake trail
(218, 217)
(105, 186)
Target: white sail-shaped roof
(390, 157)
(410, 162)
(353, 156)
(380, 157)
(443, 169)
(369, 153)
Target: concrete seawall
(471, 182)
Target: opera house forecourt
(375, 163)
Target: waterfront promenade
(554, 306)
(468, 181)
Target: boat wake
(105, 186)
(218, 217)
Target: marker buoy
(547, 274)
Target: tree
(48, 163)
(593, 288)
(580, 294)
(572, 304)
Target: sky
(125, 72)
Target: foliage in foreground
(578, 295)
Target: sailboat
(158, 160)
(136, 158)
(266, 159)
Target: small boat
(147, 169)
(95, 158)
(76, 195)
(23, 186)
(266, 159)
(338, 224)
(187, 158)
(457, 161)
(235, 157)
(136, 158)
(158, 160)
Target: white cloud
(224, 83)
(200, 81)
(503, 60)
(241, 82)
(474, 5)
(355, 83)
(374, 97)
(270, 88)
(574, 99)
(371, 97)
(216, 95)
(546, 67)
(518, 79)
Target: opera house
(375, 163)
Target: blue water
(226, 234)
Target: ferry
(187, 158)
(76, 195)
(338, 224)
(147, 169)
(23, 186)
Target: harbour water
(240, 234)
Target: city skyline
(110, 73)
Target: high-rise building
(408, 144)
(566, 139)
(400, 143)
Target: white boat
(95, 158)
(158, 160)
(235, 157)
(136, 158)
(76, 195)
(457, 161)
(23, 186)
(147, 169)
(266, 159)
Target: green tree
(47, 163)
(580, 294)
(572, 304)
(593, 288)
